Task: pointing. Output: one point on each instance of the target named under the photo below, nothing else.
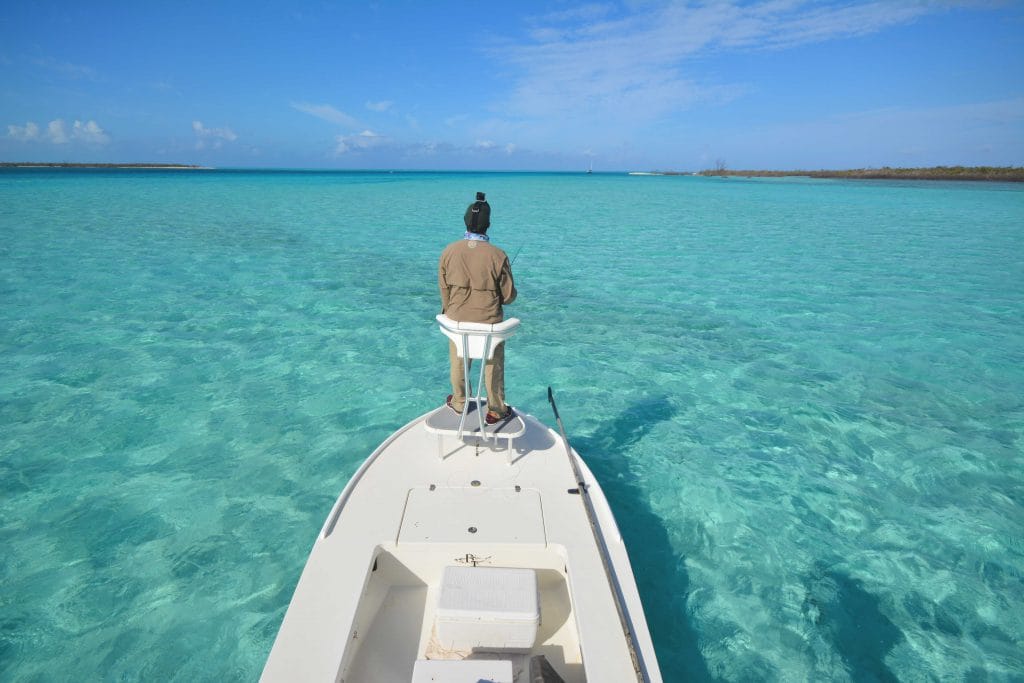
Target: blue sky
(635, 85)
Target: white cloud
(326, 112)
(427, 149)
(66, 68)
(457, 120)
(382, 106)
(490, 145)
(633, 67)
(212, 137)
(57, 133)
(353, 143)
(587, 12)
(89, 132)
(29, 131)
(433, 148)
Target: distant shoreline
(985, 173)
(1013, 174)
(64, 164)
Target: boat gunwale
(346, 493)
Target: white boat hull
(366, 605)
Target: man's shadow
(661, 575)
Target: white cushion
(477, 334)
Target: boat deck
(364, 608)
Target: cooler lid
(489, 593)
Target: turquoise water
(804, 400)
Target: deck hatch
(498, 515)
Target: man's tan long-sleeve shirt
(475, 279)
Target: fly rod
(606, 561)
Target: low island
(66, 164)
(991, 173)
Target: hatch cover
(479, 515)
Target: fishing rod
(606, 562)
(517, 255)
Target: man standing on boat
(475, 279)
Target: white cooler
(488, 608)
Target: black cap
(478, 215)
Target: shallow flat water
(804, 400)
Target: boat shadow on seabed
(842, 608)
(663, 581)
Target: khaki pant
(494, 379)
